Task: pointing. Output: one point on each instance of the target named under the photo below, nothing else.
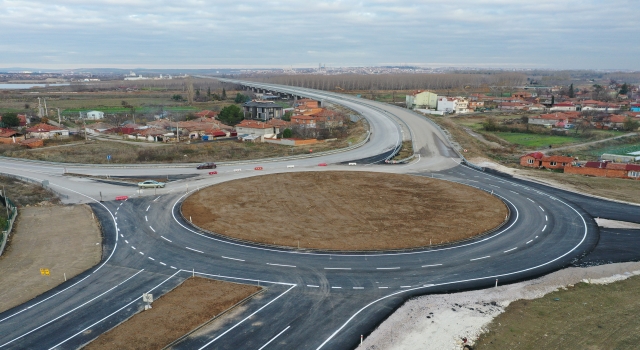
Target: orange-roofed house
(46, 131)
(253, 129)
(532, 160)
(307, 103)
(304, 121)
(556, 162)
(8, 136)
(206, 114)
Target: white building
(453, 104)
(95, 115)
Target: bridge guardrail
(13, 214)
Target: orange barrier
(213, 172)
(322, 164)
(258, 168)
(121, 198)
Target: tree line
(397, 81)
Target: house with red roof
(563, 107)
(539, 160)
(9, 136)
(206, 114)
(548, 120)
(532, 160)
(253, 130)
(46, 131)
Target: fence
(12, 214)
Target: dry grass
(26, 193)
(345, 210)
(583, 317)
(194, 302)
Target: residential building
(475, 105)
(257, 128)
(513, 105)
(422, 100)
(532, 160)
(453, 104)
(548, 120)
(262, 110)
(307, 103)
(46, 131)
(606, 169)
(539, 160)
(563, 106)
(22, 119)
(95, 115)
(206, 114)
(9, 136)
(303, 120)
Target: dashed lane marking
(280, 265)
(163, 264)
(358, 287)
(226, 257)
(484, 257)
(506, 251)
(166, 239)
(195, 250)
(387, 268)
(125, 241)
(431, 265)
(529, 241)
(337, 268)
(541, 208)
(312, 286)
(152, 229)
(148, 207)
(336, 287)
(150, 258)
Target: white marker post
(148, 299)
(496, 283)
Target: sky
(554, 34)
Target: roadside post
(108, 158)
(148, 299)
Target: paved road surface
(314, 299)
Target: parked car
(151, 184)
(207, 166)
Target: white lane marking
(125, 241)
(336, 287)
(141, 253)
(383, 287)
(152, 228)
(148, 207)
(226, 257)
(506, 251)
(337, 268)
(387, 268)
(530, 200)
(72, 310)
(541, 208)
(161, 263)
(156, 199)
(312, 286)
(132, 247)
(113, 313)
(121, 203)
(536, 237)
(484, 257)
(493, 185)
(195, 250)
(274, 338)
(431, 265)
(513, 192)
(121, 235)
(405, 286)
(546, 218)
(150, 258)
(145, 218)
(544, 228)
(280, 265)
(358, 287)
(529, 241)
(246, 318)
(166, 239)
(173, 267)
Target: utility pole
(46, 111)
(59, 119)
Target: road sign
(108, 157)
(45, 183)
(147, 298)
(44, 272)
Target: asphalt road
(313, 299)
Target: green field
(536, 140)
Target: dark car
(207, 166)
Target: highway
(313, 299)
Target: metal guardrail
(13, 214)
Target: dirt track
(345, 210)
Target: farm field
(536, 140)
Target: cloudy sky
(559, 34)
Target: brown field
(345, 210)
(194, 302)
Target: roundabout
(345, 210)
(313, 299)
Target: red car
(207, 166)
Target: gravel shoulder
(64, 239)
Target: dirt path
(345, 210)
(194, 302)
(579, 145)
(44, 238)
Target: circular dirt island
(344, 210)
